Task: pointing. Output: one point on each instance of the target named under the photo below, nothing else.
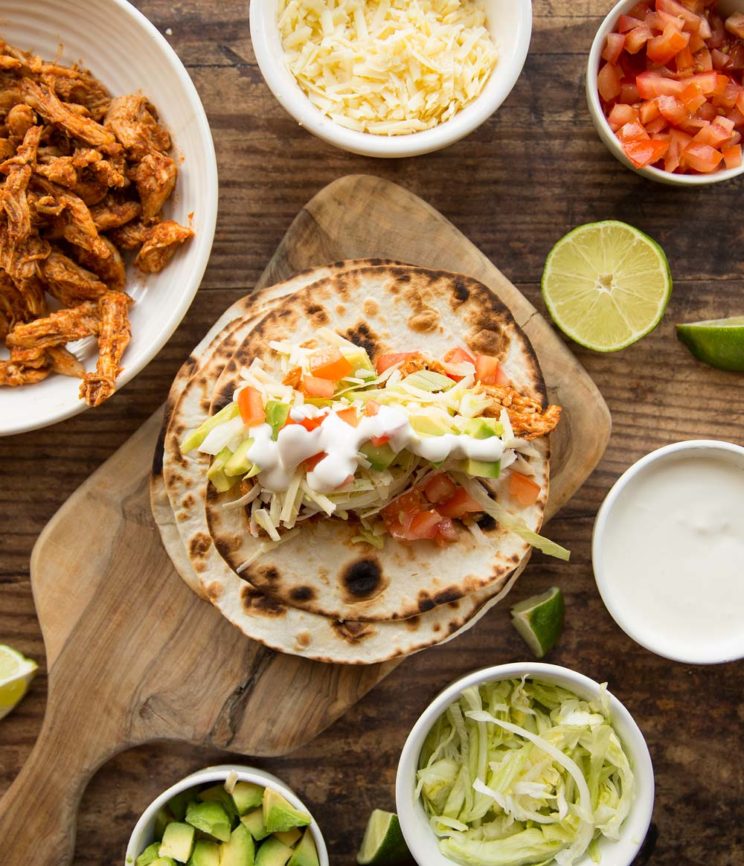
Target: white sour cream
(669, 552)
(341, 443)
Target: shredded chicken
(84, 177)
(160, 245)
(113, 339)
(527, 417)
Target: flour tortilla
(320, 570)
(259, 617)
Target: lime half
(606, 285)
(718, 342)
(539, 620)
(383, 841)
(16, 673)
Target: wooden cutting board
(133, 655)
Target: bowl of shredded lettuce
(525, 765)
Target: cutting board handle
(38, 813)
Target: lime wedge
(383, 841)
(539, 620)
(606, 285)
(16, 673)
(718, 342)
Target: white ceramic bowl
(716, 638)
(144, 830)
(420, 838)
(605, 130)
(125, 51)
(510, 24)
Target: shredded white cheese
(389, 67)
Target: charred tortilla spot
(425, 602)
(341, 310)
(462, 292)
(413, 622)
(302, 593)
(370, 307)
(318, 314)
(353, 632)
(486, 341)
(213, 590)
(486, 523)
(452, 593)
(424, 322)
(303, 639)
(268, 573)
(363, 579)
(199, 544)
(226, 547)
(362, 335)
(514, 558)
(188, 501)
(223, 398)
(436, 627)
(256, 602)
(403, 278)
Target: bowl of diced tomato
(665, 87)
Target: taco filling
(409, 446)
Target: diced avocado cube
(178, 804)
(305, 854)
(151, 853)
(276, 415)
(162, 819)
(247, 796)
(429, 381)
(483, 428)
(379, 456)
(196, 437)
(482, 468)
(428, 426)
(163, 861)
(239, 464)
(273, 853)
(218, 794)
(289, 837)
(216, 472)
(209, 817)
(240, 850)
(178, 841)
(255, 823)
(280, 815)
(206, 853)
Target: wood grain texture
(117, 591)
(532, 172)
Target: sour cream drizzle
(278, 460)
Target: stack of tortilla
(318, 595)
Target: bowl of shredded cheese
(391, 78)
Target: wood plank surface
(533, 171)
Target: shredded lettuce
(522, 772)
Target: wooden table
(535, 170)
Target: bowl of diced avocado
(227, 816)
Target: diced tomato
(637, 38)
(735, 24)
(721, 61)
(651, 84)
(633, 132)
(523, 489)
(657, 125)
(627, 22)
(684, 61)
(458, 356)
(740, 101)
(439, 488)
(309, 424)
(350, 416)
(678, 141)
(696, 42)
(371, 408)
(410, 518)
(662, 49)
(293, 377)
(649, 111)
(459, 504)
(672, 109)
(690, 20)
(715, 133)
(488, 371)
(314, 386)
(642, 153)
(446, 531)
(613, 47)
(331, 365)
(708, 81)
(250, 404)
(379, 441)
(311, 462)
(702, 157)
(732, 156)
(692, 97)
(622, 114)
(608, 82)
(384, 362)
(628, 94)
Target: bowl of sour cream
(668, 552)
